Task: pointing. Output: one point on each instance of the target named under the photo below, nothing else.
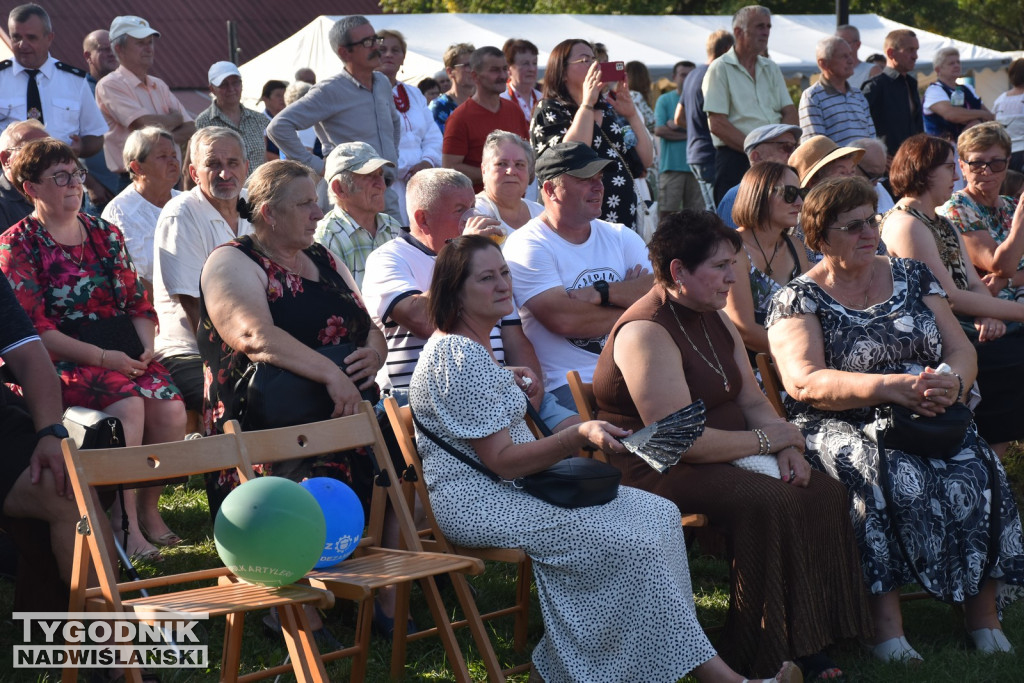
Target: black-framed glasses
(856, 227)
(63, 178)
(789, 193)
(993, 165)
(367, 42)
(872, 177)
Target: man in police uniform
(36, 86)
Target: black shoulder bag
(570, 483)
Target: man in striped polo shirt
(832, 107)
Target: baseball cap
(770, 132)
(816, 153)
(357, 157)
(221, 70)
(574, 158)
(133, 26)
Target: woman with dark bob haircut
(597, 567)
(578, 108)
(924, 169)
(675, 346)
(766, 210)
(858, 331)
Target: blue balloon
(343, 513)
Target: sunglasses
(856, 227)
(789, 193)
(993, 165)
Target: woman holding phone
(579, 106)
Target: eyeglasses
(993, 165)
(367, 42)
(872, 178)
(585, 59)
(63, 178)
(856, 227)
(789, 193)
(787, 147)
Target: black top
(895, 106)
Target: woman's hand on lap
(794, 467)
(123, 363)
(783, 435)
(362, 366)
(344, 394)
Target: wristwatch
(56, 429)
(602, 288)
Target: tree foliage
(997, 24)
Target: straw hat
(817, 152)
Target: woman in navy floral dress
(69, 270)
(860, 330)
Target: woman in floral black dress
(275, 296)
(575, 110)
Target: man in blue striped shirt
(832, 107)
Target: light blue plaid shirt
(350, 243)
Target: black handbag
(116, 333)
(937, 437)
(89, 428)
(268, 397)
(570, 483)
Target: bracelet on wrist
(763, 442)
(588, 107)
(380, 361)
(960, 394)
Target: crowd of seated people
(208, 239)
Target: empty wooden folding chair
(226, 597)
(586, 406)
(372, 567)
(433, 539)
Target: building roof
(193, 33)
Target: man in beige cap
(131, 99)
(819, 158)
(227, 111)
(357, 224)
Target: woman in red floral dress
(70, 270)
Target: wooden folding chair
(229, 597)
(433, 539)
(771, 382)
(372, 567)
(586, 406)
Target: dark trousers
(730, 166)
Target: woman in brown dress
(796, 584)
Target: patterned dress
(316, 314)
(60, 287)
(940, 508)
(967, 215)
(613, 582)
(551, 121)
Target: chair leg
(522, 619)
(364, 619)
(306, 661)
(444, 629)
(231, 658)
(399, 639)
(476, 627)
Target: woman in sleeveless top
(923, 172)
(675, 346)
(767, 205)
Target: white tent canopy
(657, 41)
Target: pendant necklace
(767, 261)
(719, 370)
(67, 254)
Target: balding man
(131, 99)
(861, 70)
(744, 90)
(34, 85)
(354, 106)
(832, 107)
(892, 95)
(13, 205)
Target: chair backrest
(583, 394)
(108, 466)
(772, 383)
(331, 436)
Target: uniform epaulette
(71, 69)
(6, 64)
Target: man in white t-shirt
(397, 281)
(573, 274)
(191, 226)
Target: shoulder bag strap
(454, 451)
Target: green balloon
(270, 531)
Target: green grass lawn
(935, 629)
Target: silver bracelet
(763, 442)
